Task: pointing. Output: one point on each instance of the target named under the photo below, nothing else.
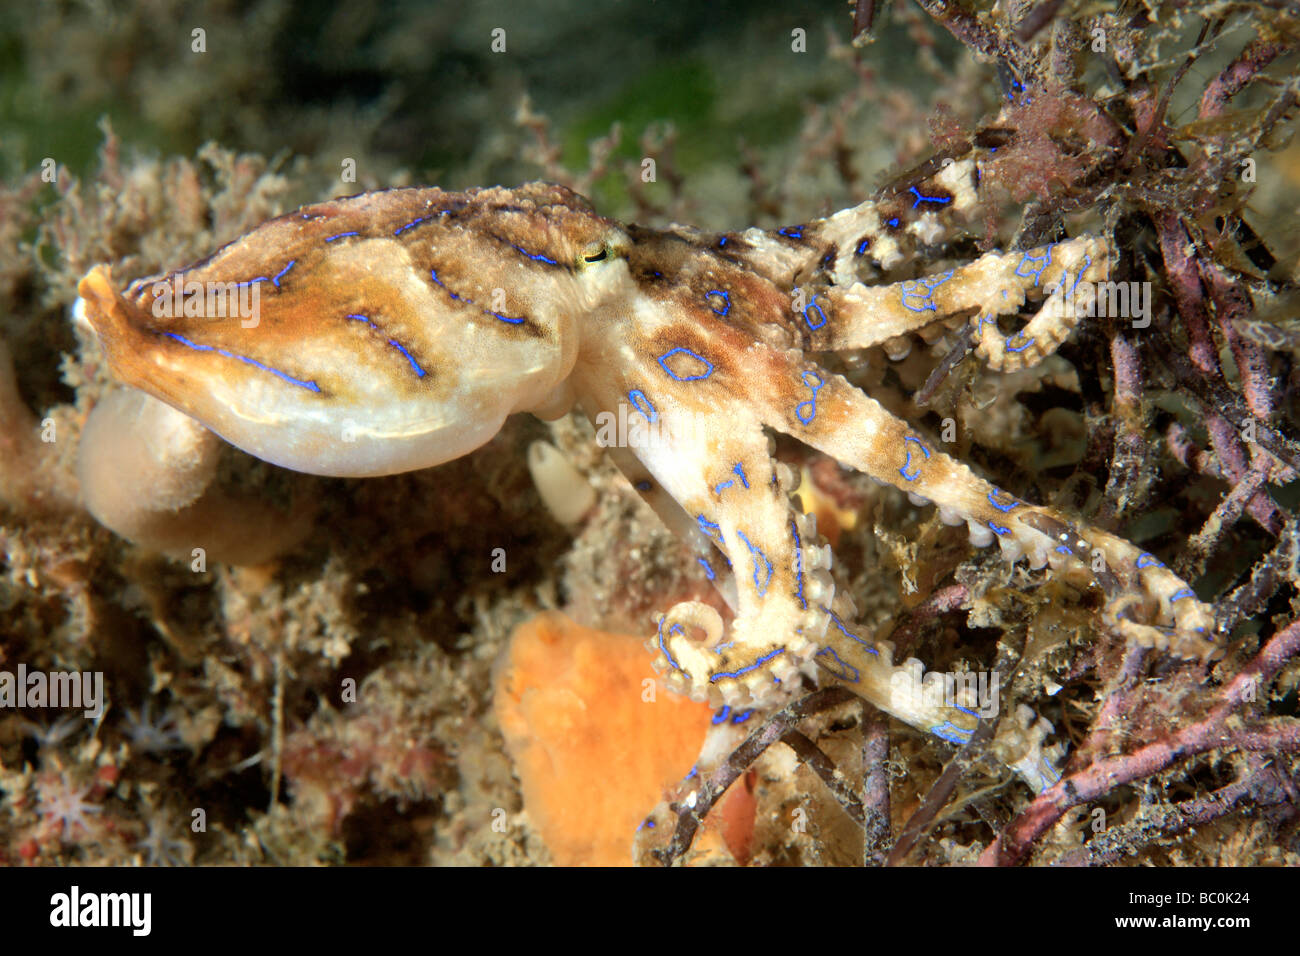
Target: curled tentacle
(1069, 272)
(1139, 587)
(1065, 275)
(1018, 743)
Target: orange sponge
(596, 742)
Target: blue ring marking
(998, 529)
(714, 678)
(739, 470)
(663, 646)
(726, 301)
(717, 489)
(433, 274)
(721, 716)
(1059, 286)
(694, 771)
(301, 383)
(708, 568)
(1003, 508)
(1046, 261)
(411, 225)
(536, 258)
(646, 824)
(419, 372)
(1018, 348)
(649, 412)
(979, 330)
(849, 634)
(1062, 549)
(757, 553)
(911, 290)
(1180, 595)
(845, 668)
(741, 718)
(941, 200)
(965, 710)
(1052, 773)
(807, 318)
(722, 242)
(952, 733)
(642, 486)
(504, 318)
(791, 232)
(275, 279)
(798, 565)
(1082, 269)
(253, 281)
(903, 471)
(815, 386)
(708, 527)
(341, 235)
(893, 222)
(1147, 560)
(663, 364)
(863, 246)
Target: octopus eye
(596, 252)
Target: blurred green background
(416, 86)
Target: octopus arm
(727, 487)
(724, 485)
(1063, 276)
(842, 422)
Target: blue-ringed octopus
(397, 329)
